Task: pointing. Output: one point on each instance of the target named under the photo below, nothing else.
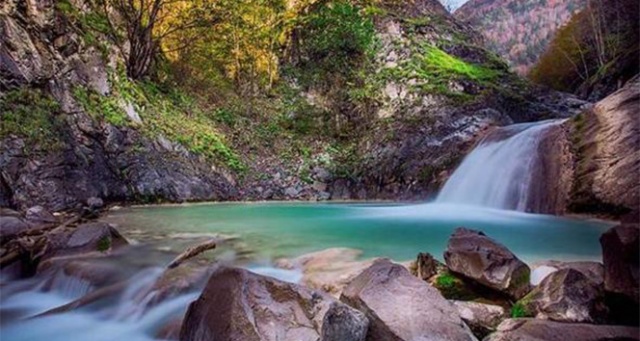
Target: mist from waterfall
(498, 173)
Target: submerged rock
(238, 305)
(479, 258)
(567, 295)
(539, 330)
(329, 270)
(401, 307)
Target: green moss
(104, 244)
(31, 114)
(438, 62)
(105, 108)
(519, 309)
(453, 288)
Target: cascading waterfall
(498, 172)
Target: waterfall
(499, 172)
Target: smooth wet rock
(86, 238)
(11, 226)
(621, 256)
(480, 317)
(39, 215)
(479, 258)
(544, 330)
(238, 305)
(567, 295)
(342, 323)
(401, 307)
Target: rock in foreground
(567, 295)
(238, 305)
(477, 257)
(401, 307)
(539, 330)
(481, 318)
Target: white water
(498, 172)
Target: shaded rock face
(567, 296)
(237, 305)
(481, 318)
(342, 323)
(538, 330)
(621, 253)
(481, 259)
(606, 146)
(401, 307)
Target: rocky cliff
(75, 127)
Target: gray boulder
(238, 305)
(86, 238)
(477, 257)
(567, 295)
(342, 323)
(11, 226)
(401, 307)
(39, 215)
(544, 330)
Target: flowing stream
(498, 172)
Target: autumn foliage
(599, 44)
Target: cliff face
(519, 31)
(74, 127)
(606, 143)
(52, 151)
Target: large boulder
(620, 254)
(238, 305)
(621, 257)
(477, 257)
(402, 307)
(86, 238)
(567, 296)
(544, 330)
(480, 317)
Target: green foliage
(178, 117)
(337, 34)
(32, 114)
(519, 310)
(453, 287)
(598, 44)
